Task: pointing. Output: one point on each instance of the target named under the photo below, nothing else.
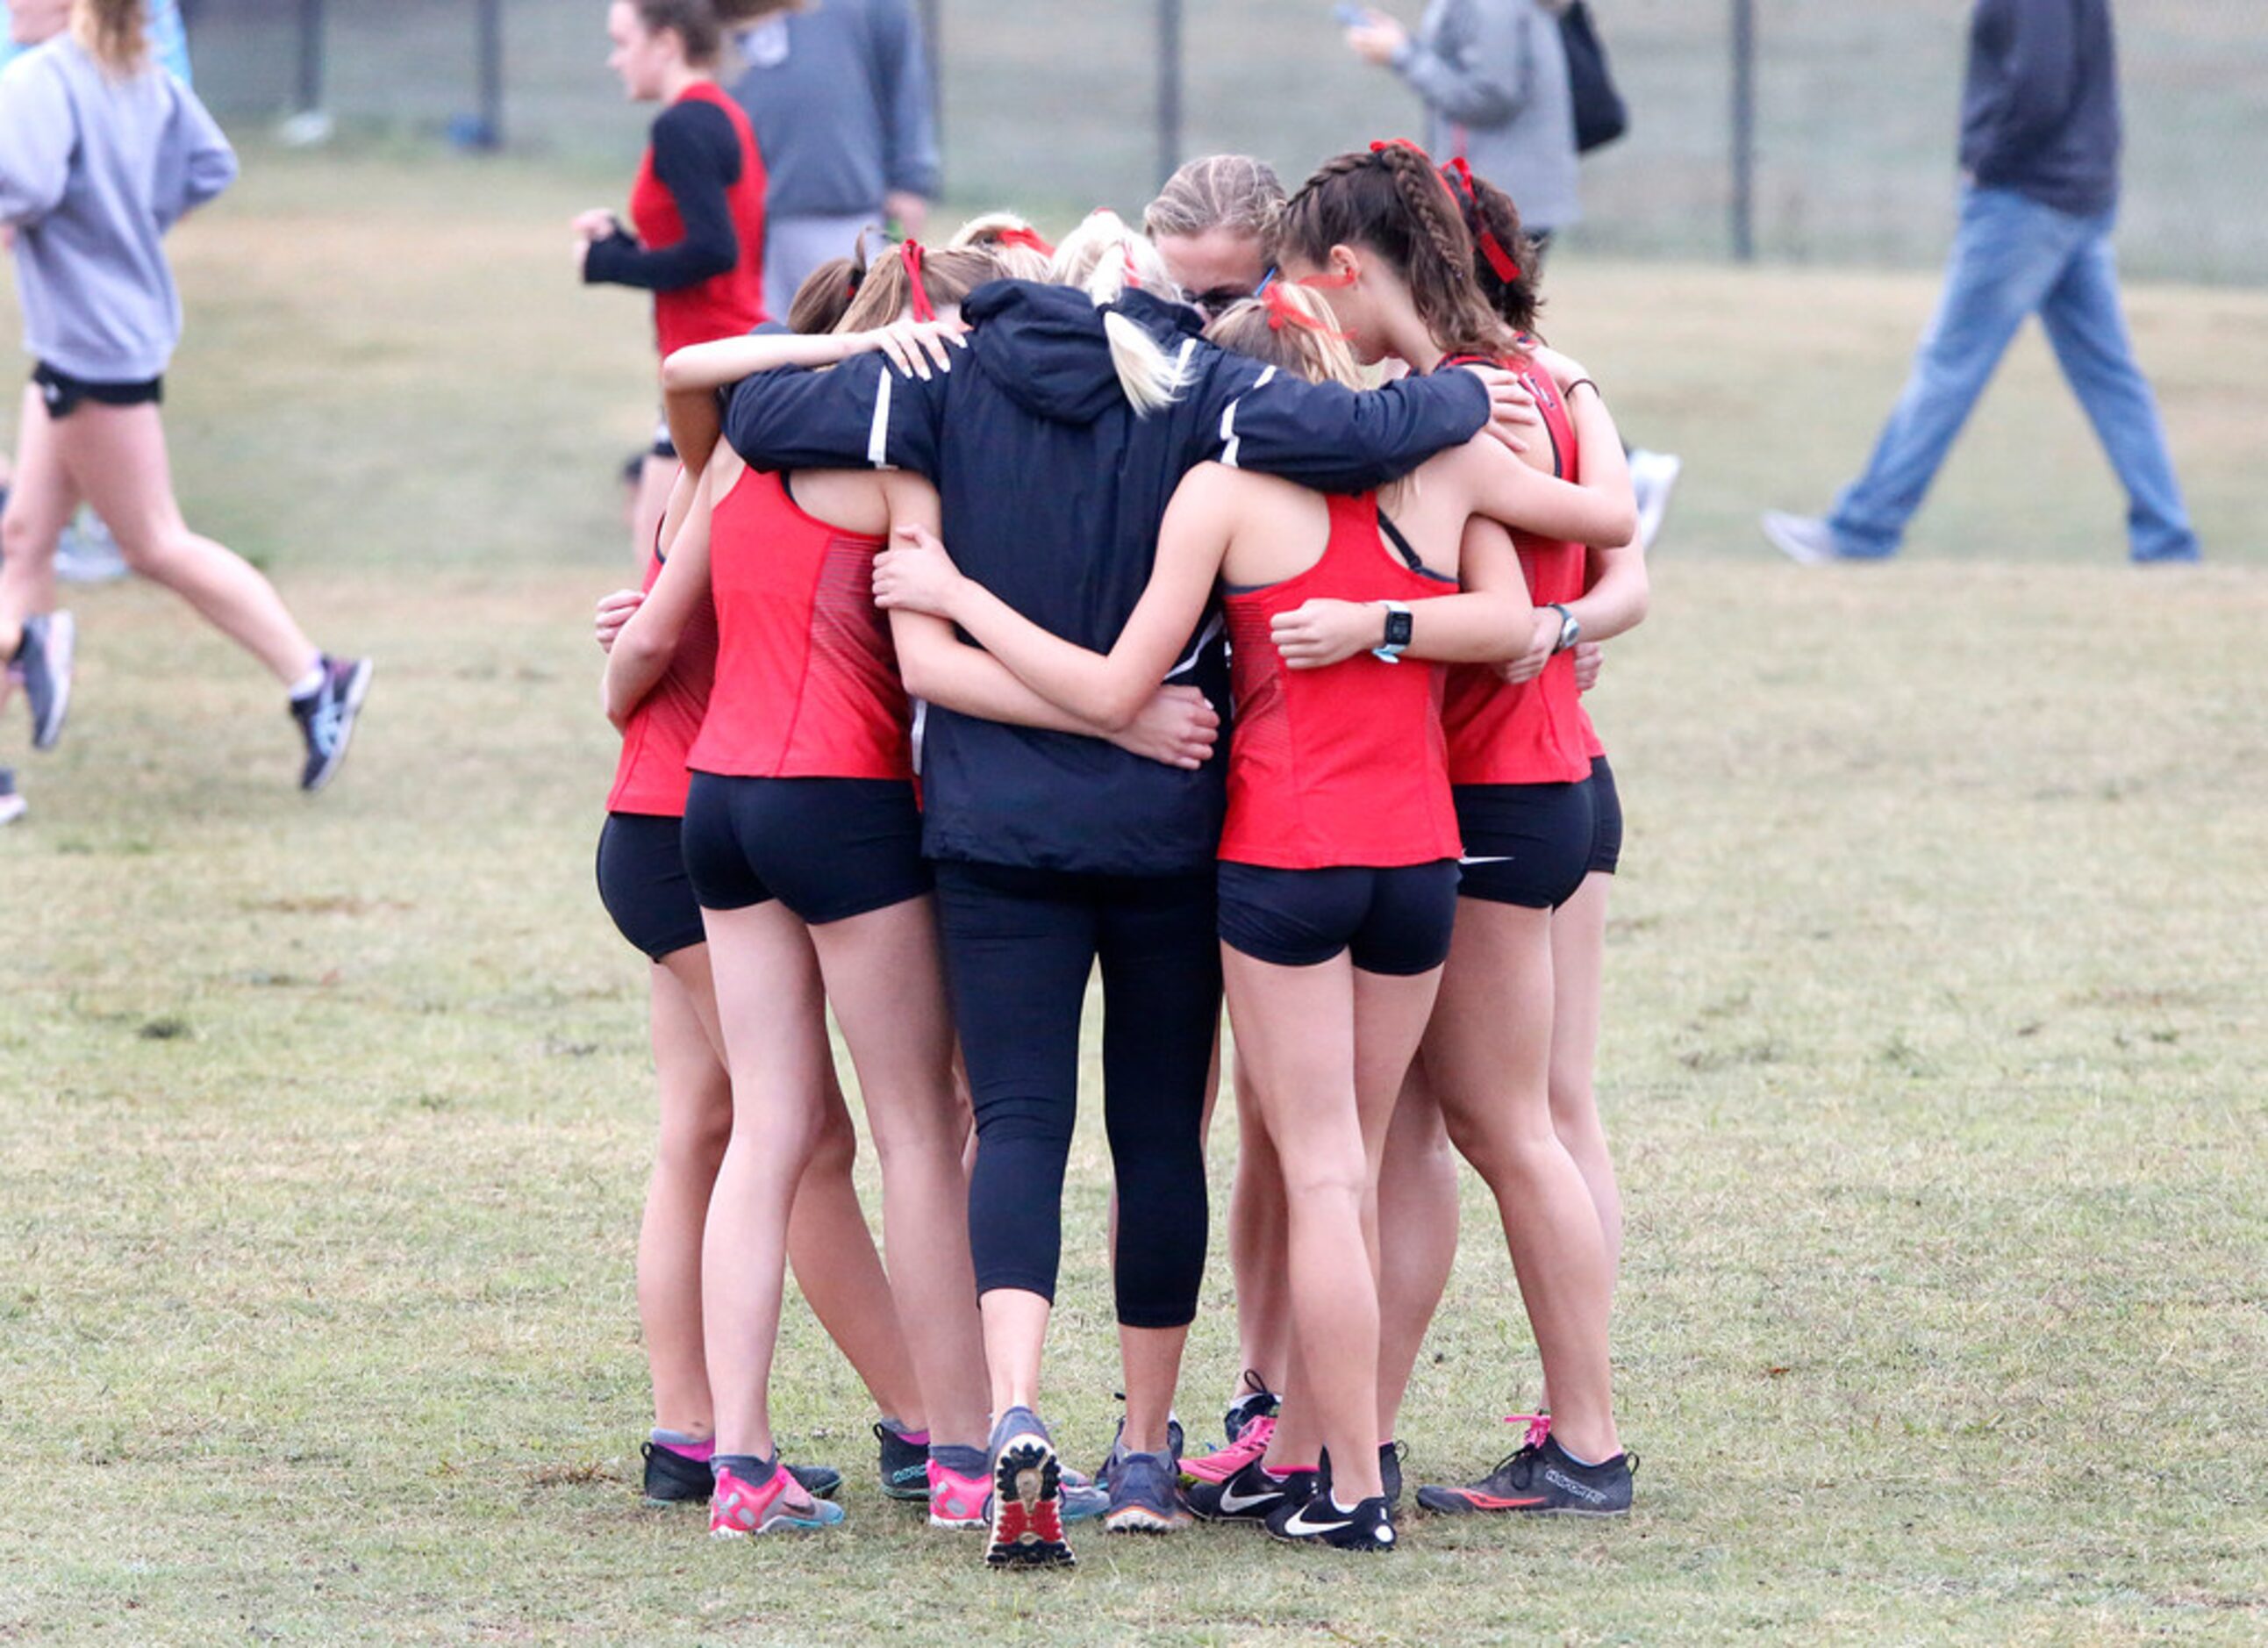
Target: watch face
(1398, 629)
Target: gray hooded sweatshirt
(1494, 75)
(93, 170)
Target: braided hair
(1390, 199)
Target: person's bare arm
(642, 651)
(1492, 619)
(1602, 509)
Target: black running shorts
(1525, 844)
(1394, 921)
(827, 848)
(642, 883)
(64, 393)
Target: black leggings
(1019, 947)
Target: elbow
(1119, 711)
(1622, 525)
(679, 369)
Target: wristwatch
(1570, 628)
(1398, 633)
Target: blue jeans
(2013, 257)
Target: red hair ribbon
(1133, 275)
(1283, 312)
(910, 255)
(1460, 177)
(1028, 237)
(1381, 145)
(1323, 283)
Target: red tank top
(651, 778)
(726, 305)
(1532, 732)
(806, 678)
(1344, 765)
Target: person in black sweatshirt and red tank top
(696, 233)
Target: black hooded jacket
(1053, 490)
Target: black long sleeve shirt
(2039, 114)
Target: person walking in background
(2040, 140)
(845, 115)
(101, 152)
(169, 37)
(1493, 76)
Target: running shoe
(327, 718)
(674, 1478)
(87, 554)
(1806, 540)
(1251, 1442)
(1252, 1495)
(12, 806)
(955, 1501)
(1654, 476)
(1175, 1438)
(1259, 1402)
(1542, 1479)
(1145, 1497)
(1319, 1519)
(42, 663)
(781, 1505)
(1027, 1508)
(1389, 1472)
(904, 1466)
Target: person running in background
(843, 110)
(698, 207)
(1493, 76)
(100, 153)
(2039, 138)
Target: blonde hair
(1316, 351)
(115, 32)
(1102, 257)
(1220, 191)
(1017, 262)
(948, 277)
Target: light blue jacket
(94, 171)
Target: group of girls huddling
(922, 709)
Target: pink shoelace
(1539, 1428)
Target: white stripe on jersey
(878, 436)
(1213, 627)
(1229, 438)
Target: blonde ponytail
(1102, 257)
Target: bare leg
(829, 1246)
(1257, 1240)
(774, 1014)
(1488, 1055)
(1418, 1239)
(887, 980)
(1015, 1340)
(1579, 944)
(41, 503)
(696, 1122)
(115, 455)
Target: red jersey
(807, 676)
(651, 778)
(1344, 765)
(724, 305)
(1532, 732)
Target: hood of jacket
(1046, 348)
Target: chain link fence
(1058, 107)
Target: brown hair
(697, 24)
(1220, 191)
(115, 33)
(948, 277)
(1389, 199)
(1493, 222)
(826, 294)
(1259, 328)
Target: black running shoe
(327, 718)
(1540, 1480)
(671, 1478)
(1259, 1402)
(1250, 1495)
(904, 1466)
(43, 664)
(1175, 1441)
(1318, 1520)
(1389, 1472)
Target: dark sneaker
(1176, 1439)
(1145, 1496)
(1027, 1509)
(1318, 1520)
(1389, 1472)
(1250, 1495)
(904, 1466)
(1542, 1479)
(673, 1479)
(43, 664)
(327, 718)
(1259, 1402)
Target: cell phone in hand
(1352, 16)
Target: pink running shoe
(1223, 1463)
(781, 1505)
(956, 1501)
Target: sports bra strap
(1401, 545)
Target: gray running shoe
(87, 554)
(1145, 1496)
(1027, 1508)
(43, 664)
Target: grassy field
(1935, 1060)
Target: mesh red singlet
(651, 779)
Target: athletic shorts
(1393, 921)
(827, 848)
(642, 881)
(64, 394)
(1528, 845)
(1606, 819)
